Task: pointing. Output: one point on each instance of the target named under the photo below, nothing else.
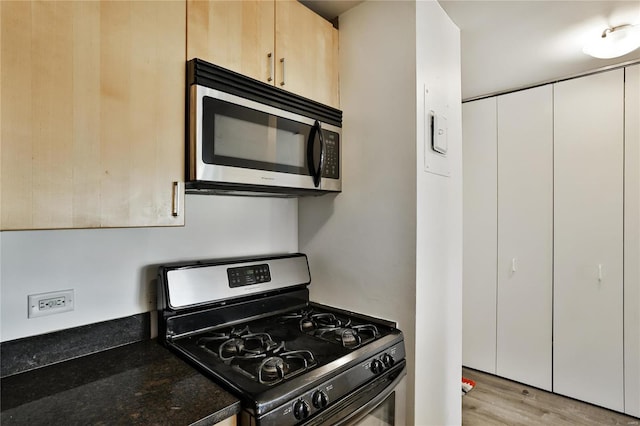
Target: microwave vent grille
(209, 75)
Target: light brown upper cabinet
(92, 114)
(278, 42)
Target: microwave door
(251, 140)
(315, 153)
(243, 145)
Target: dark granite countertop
(140, 383)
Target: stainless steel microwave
(246, 137)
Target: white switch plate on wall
(436, 144)
(50, 303)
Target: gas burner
(310, 321)
(239, 343)
(249, 344)
(275, 366)
(257, 355)
(332, 328)
(350, 337)
(272, 370)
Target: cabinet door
(231, 421)
(525, 238)
(479, 234)
(237, 35)
(306, 53)
(92, 113)
(632, 241)
(588, 203)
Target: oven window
(238, 136)
(383, 415)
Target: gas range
(249, 324)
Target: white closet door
(588, 204)
(525, 236)
(479, 235)
(632, 242)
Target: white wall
(439, 224)
(361, 243)
(109, 269)
(390, 244)
(348, 236)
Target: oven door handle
(311, 144)
(363, 411)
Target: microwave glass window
(290, 148)
(234, 135)
(251, 141)
(250, 146)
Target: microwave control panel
(331, 155)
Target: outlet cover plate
(50, 303)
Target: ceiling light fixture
(614, 42)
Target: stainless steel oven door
(388, 412)
(379, 403)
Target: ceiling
(513, 44)
(329, 9)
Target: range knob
(301, 409)
(319, 399)
(388, 360)
(377, 366)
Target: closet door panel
(479, 235)
(525, 236)
(588, 216)
(632, 242)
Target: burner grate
(257, 355)
(329, 327)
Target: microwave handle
(315, 173)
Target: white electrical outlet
(50, 303)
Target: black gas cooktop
(287, 358)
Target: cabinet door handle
(600, 272)
(283, 72)
(513, 265)
(270, 56)
(176, 205)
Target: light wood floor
(496, 401)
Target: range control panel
(248, 275)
